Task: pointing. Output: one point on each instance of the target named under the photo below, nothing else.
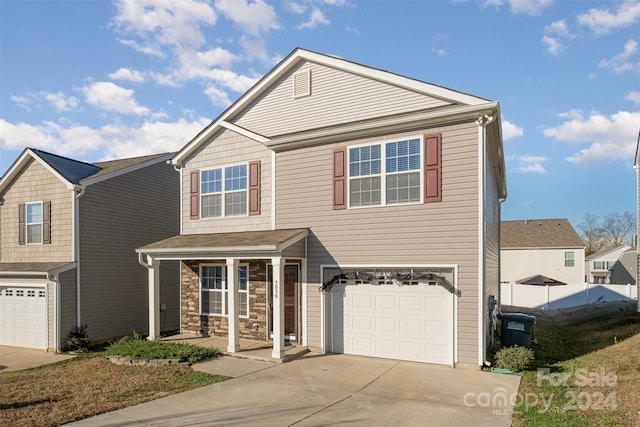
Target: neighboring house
(624, 270)
(546, 247)
(344, 208)
(68, 233)
(598, 265)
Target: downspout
(482, 123)
(78, 191)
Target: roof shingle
(539, 233)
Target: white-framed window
(223, 191)
(385, 173)
(569, 259)
(33, 222)
(214, 297)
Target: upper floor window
(569, 260)
(602, 265)
(224, 191)
(34, 222)
(383, 174)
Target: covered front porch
(234, 286)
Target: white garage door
(413, 322)
(23, 317)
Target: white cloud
(60, 101)
(633, 97)
(218, 97)
(106, 143)
(294, 7)
(553, 46)
(315, 18)
(439, 52)
(602, 21)
(147, 49)
(165, 22)
(528, 164)
(620, 63)
(529, 7)
(510, 130)
(22, 102)
(611, 137)
(254, 17)
(558, 27)
(110, 97)
(127, 74)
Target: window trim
(383, 171)
(27, 223)
(223, 192)
(569, 261)
(224, 291)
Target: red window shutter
(433, 168)
(194, 190)
(339, 179)
(21, 224)
(46, 222)
(254, 188)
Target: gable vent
(302, 84)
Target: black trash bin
(517, 329)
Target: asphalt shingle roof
(539, 233)
(72, 170)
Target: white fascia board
(215, 250)
(89, 181)
(244, 132)
(394, 123)
(294, 239)
(22, 161)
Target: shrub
(514, 358)
(139, 348)
(78, 339)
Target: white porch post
(232, 290)
(154, 298)
(278, 308)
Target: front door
(291, 303)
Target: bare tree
(592, 233)
(617, 226)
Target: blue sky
(98, 80)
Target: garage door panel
(23, 317)
(409, 323)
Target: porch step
(265, 355)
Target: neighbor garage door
(413, 322)
(23, 316)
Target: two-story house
(68, 234)
(541, 247)
(345, 208)
(598, 265)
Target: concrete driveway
(328, 390)
(19, 358)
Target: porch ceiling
(246, 244)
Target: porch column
(278, 308)
(154, 298)
(232, 291)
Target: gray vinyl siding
(432, 233)
(35, 183)
(67, 304)
(228, 148)
(492, 248)
(276, 112)
(117, 216)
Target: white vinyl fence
(550, 297)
